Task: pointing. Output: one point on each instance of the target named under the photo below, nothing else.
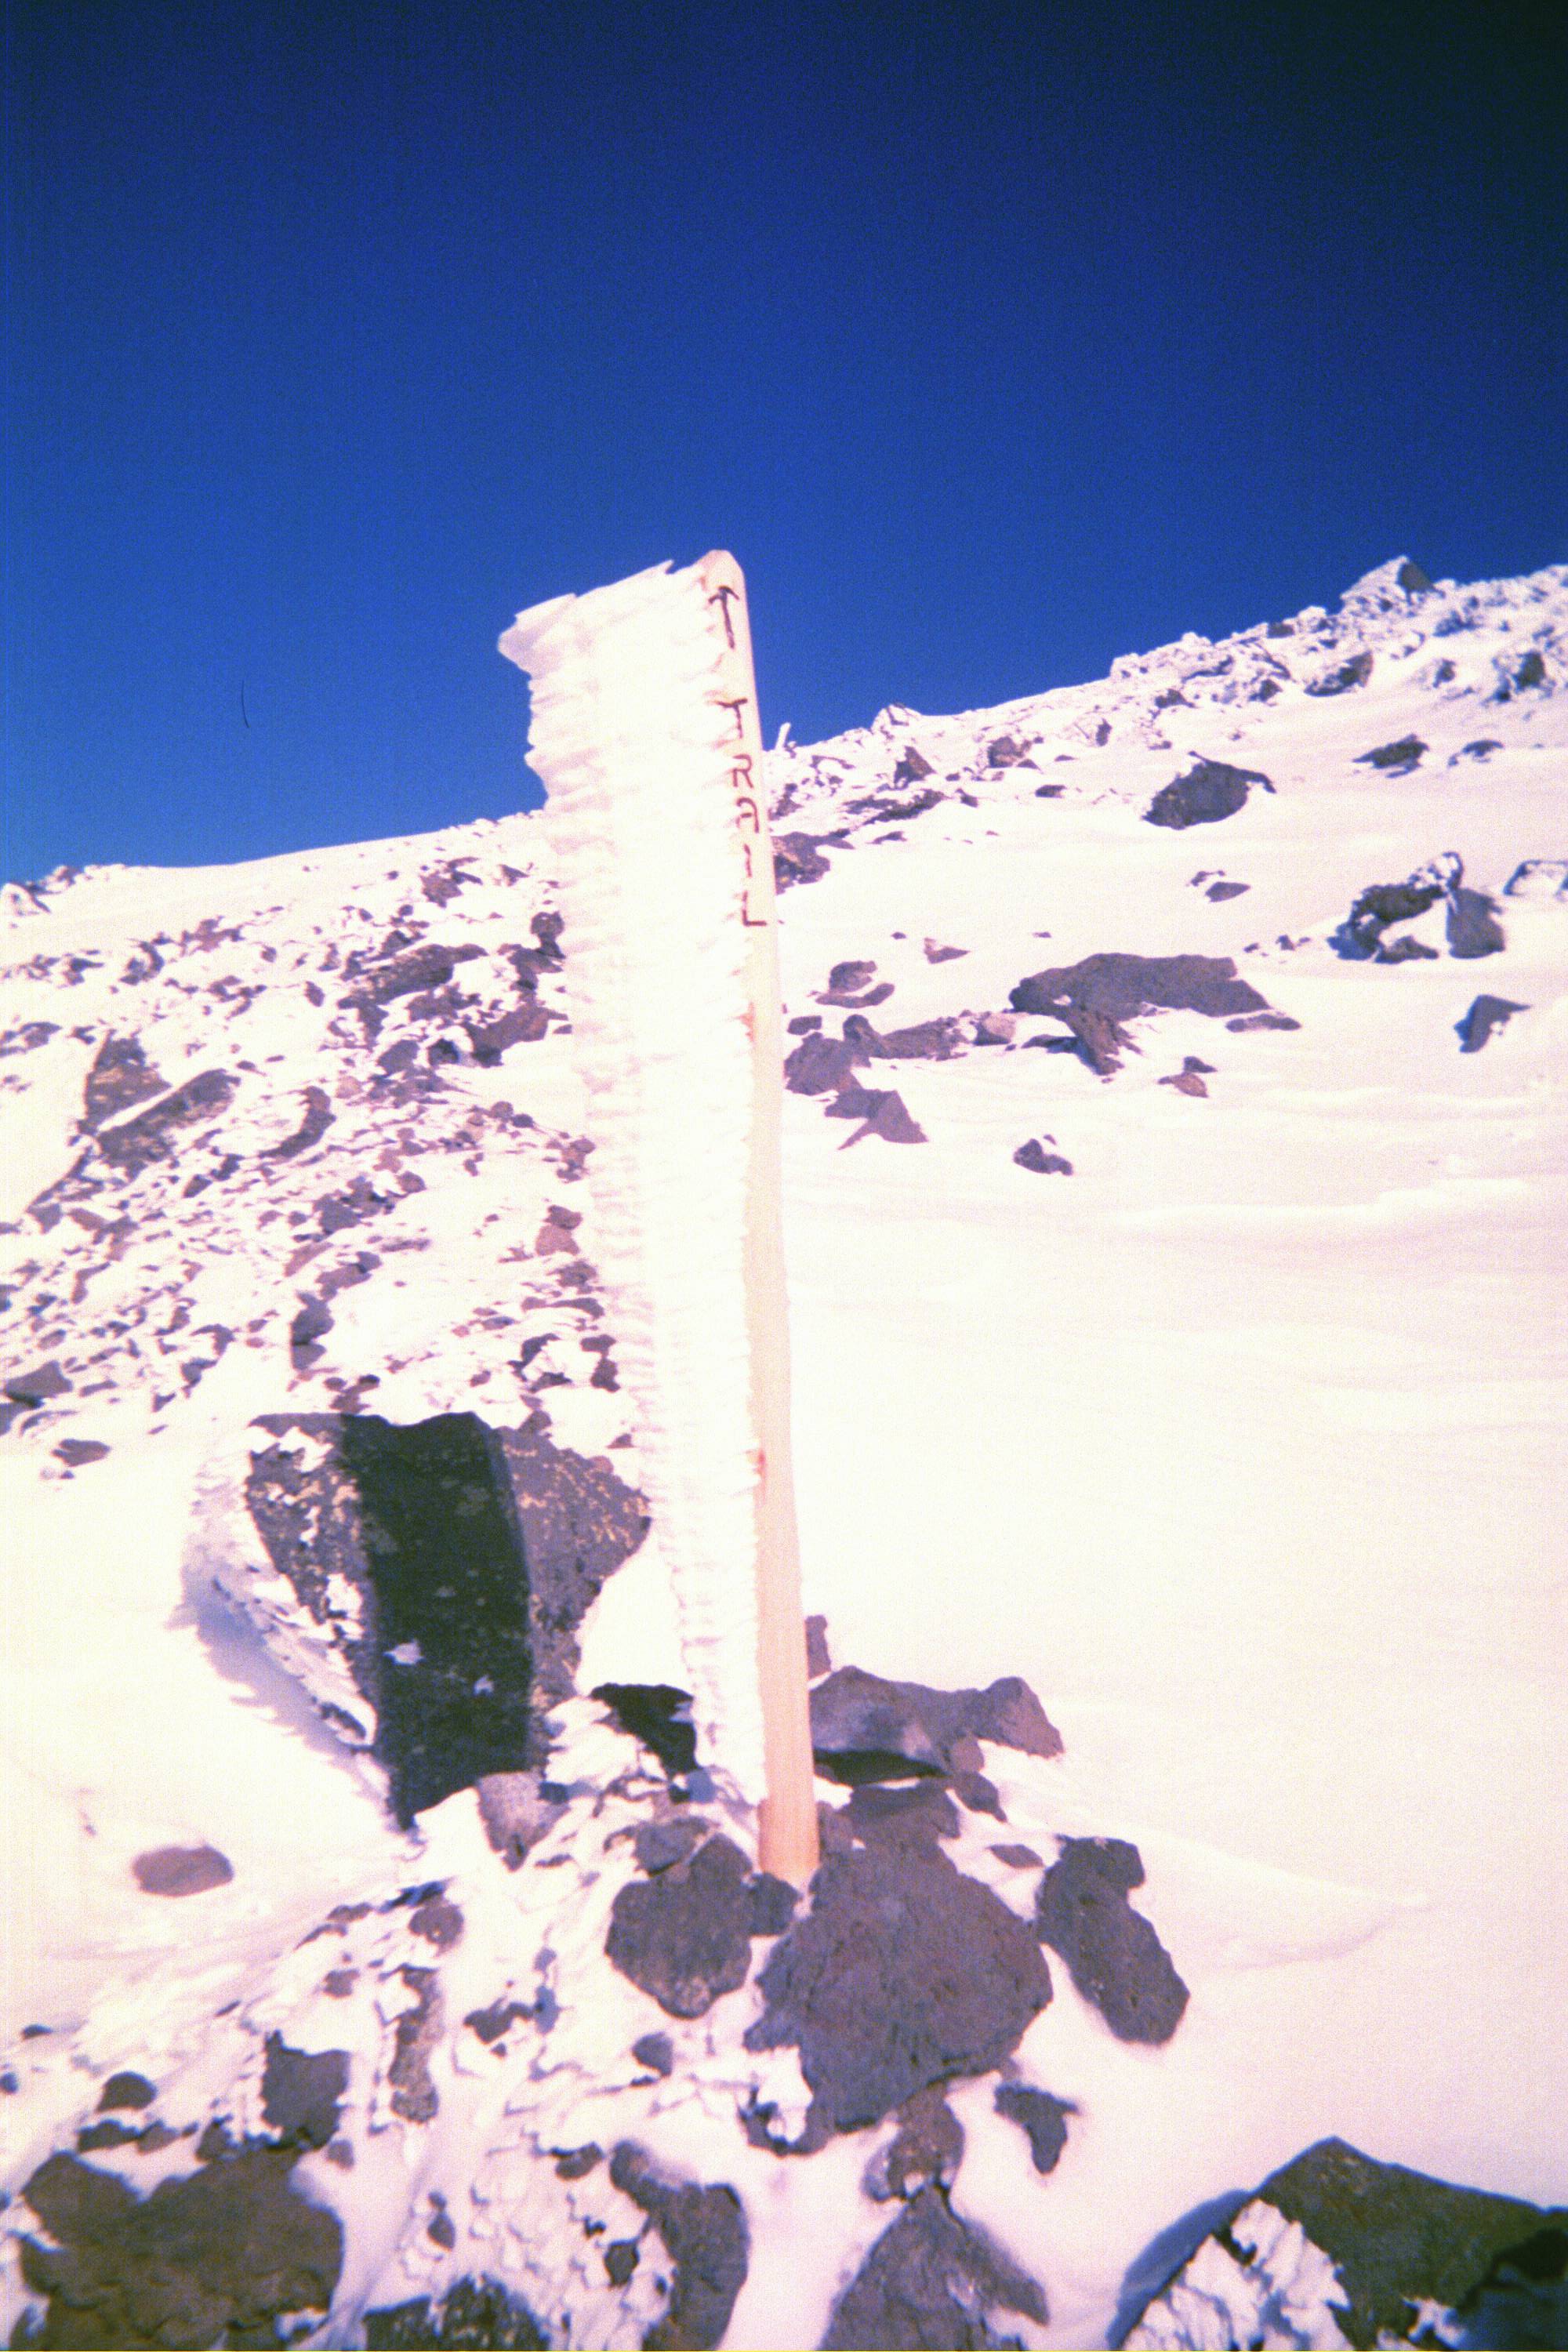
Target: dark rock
(126, 2090)
(300, 2091)
(108, 2134)
(448, 1657)
(1482, 749)
(658, 1845)
(136, 1143)
(576, 2163)
(1486, 1015)
(1263, 1021)
(925, 1041)
(216, 2257)
(1097, 997)
(925, 2153)
(655, 2051)
(931, 2283)
(437, 1921)
(980, 1795)
(1209, 792)
(37, 1387)
(1405, 951)
(1186, 1082)
(319, 1117)
(441, 2230)
(499, 2018)
(1004, 753)
(1353, 673)
(1531, 671)
(684, 1937)
(660, 1716)
(1473, 928)
(1398, 2236)
(580, 1523)
(1395, 759)
(858, 1102)
(523, 1026)
(476, 2313)
(418, 2031)
(903, 1973)
(803, 1024)
(850, 977)
(914, 767)
(180, 1870)
(1034, 1156)
(1114, 1957)
(1017, 1857)
(890, 1119)
(817, 1661)
(1219, 891)
(77, 1452)
(1360, 935)
(1041, 2117)
(770, 1905)
(797, 858)
(620, 2259)
(820, 1066)
(917, 1813)
(120, 1078)
(705, 2234)
(865, 1728)
(934, 954)
(1411, 578)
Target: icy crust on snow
(1276, 2293)
(631, 743)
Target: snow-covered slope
(1227, 1416)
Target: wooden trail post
(788, 1842)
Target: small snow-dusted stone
(1538, 877)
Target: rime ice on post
(645, 732)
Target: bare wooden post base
(788, 1838)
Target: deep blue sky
(994, 342)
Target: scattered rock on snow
(1209, 792)
(931, 2281)
(1042, 2118)
(1487, 1014)
(180, 1870)
(1400, 759)
(1097, 997)
(704, 2230)
(1472, 924)
(1114, 1957)
(1034, 1156)
(126, 2089)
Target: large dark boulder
(684, 1933)
(213, 2257)
(1485, 1014)
(1113, 1956)
(903, 1973)
(474, 2312)
(1209, 792)
(1097, 998)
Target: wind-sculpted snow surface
(1239, 1448)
